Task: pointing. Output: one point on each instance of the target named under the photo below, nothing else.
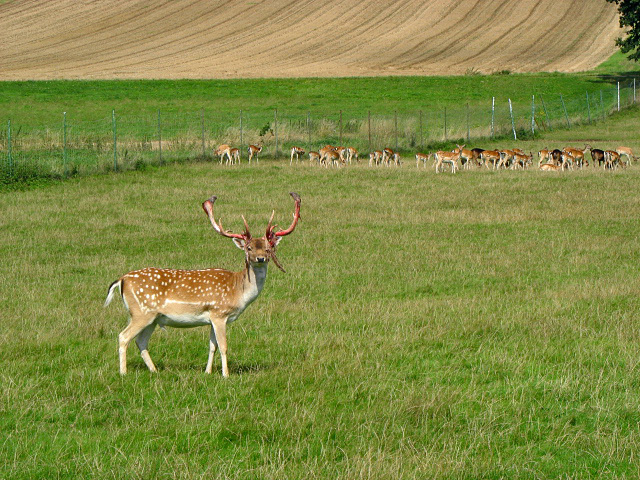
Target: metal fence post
(64, 143)
(160, 137)
(421, 142)
(395, 121)
(115, 140)
(445, 124)
(513, 125)
(309, 130)
(533, 114)
(369, 116)
(493, 115)
(618, 96)
(468, 125)
(275, 120)
(204, 151)
(9, 149)
(566, 115)
(241, 134)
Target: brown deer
(253, 151)
(192, 298)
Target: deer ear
(239, 242)
(275, 241)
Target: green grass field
(477, 325)
(482, 325)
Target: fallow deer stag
(193, 298)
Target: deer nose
(260, 259)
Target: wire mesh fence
(71, 147)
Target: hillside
(68, 39)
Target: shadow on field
(174, 367)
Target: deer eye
(249, 249)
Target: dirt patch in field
(71, 39)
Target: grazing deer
(235, 156)
(543, 156)
(296, 152)
(253, 151)
(627, 152)
(422, 157)
(490, 156)
(222, 151)
(193, 298)
(449, 157)
(375, 158)
(314, 157)
(597, 155)
(351, 154)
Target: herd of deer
(548, 160)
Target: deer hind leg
(142, 340)
(137, 324)
(213, 345)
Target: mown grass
(481, 325)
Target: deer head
(258, 251)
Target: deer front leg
(220, 332)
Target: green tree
(630, 20)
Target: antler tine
(247, 234)
(296, 216)
(208, 208)
(269, 227)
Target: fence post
(309, 130)
(395, 116)
(634, 90)
(493, 115)
(160, 137)
(618, 96)
(275, 155)
(64, 143)
(340, 141)
(115, 140)
(421, 142)
(9, 149)
(468, 125)
(566, 115)
(241, 136)
(369, 130)
(513, 125)
(533, 114)
(546, 114)
(445, 124)
(204, 151)
(588, 109)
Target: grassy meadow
(481, 325)
(477, 325)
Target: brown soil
(83, 39)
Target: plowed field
(71, 39)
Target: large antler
(296, 216)
(208, 208)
